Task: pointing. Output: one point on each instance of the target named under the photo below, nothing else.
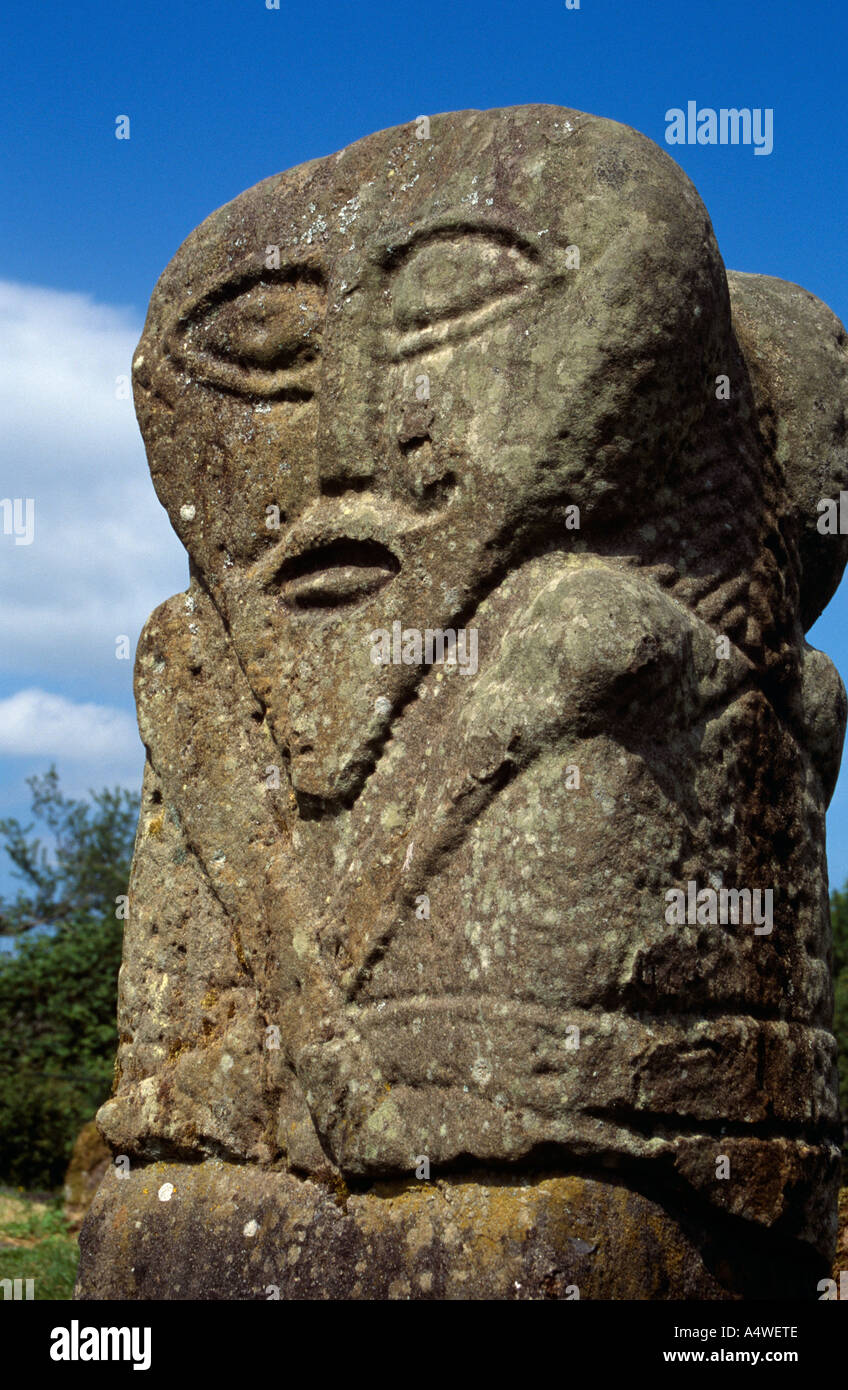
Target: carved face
(368, 384)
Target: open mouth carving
(343, 571)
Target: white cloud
(34, 723)
(92, 745)
(61, 354)
(103, 554)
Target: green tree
(58, 989)
(88, 866)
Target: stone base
(238, 1232)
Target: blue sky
(220, 95)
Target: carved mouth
(341, 572)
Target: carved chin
(335, 769)
(331, 756)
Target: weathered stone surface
(387, 910)
(233, 1232)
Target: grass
(36, 1242)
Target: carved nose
(346, 436)
(348, 400)
(414, 429)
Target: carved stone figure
(479, 939)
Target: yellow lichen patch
(237, 947)
(339, 1189)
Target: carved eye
(463, 282)
(260, 340)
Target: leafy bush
(58, 991)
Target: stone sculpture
(493, 963)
